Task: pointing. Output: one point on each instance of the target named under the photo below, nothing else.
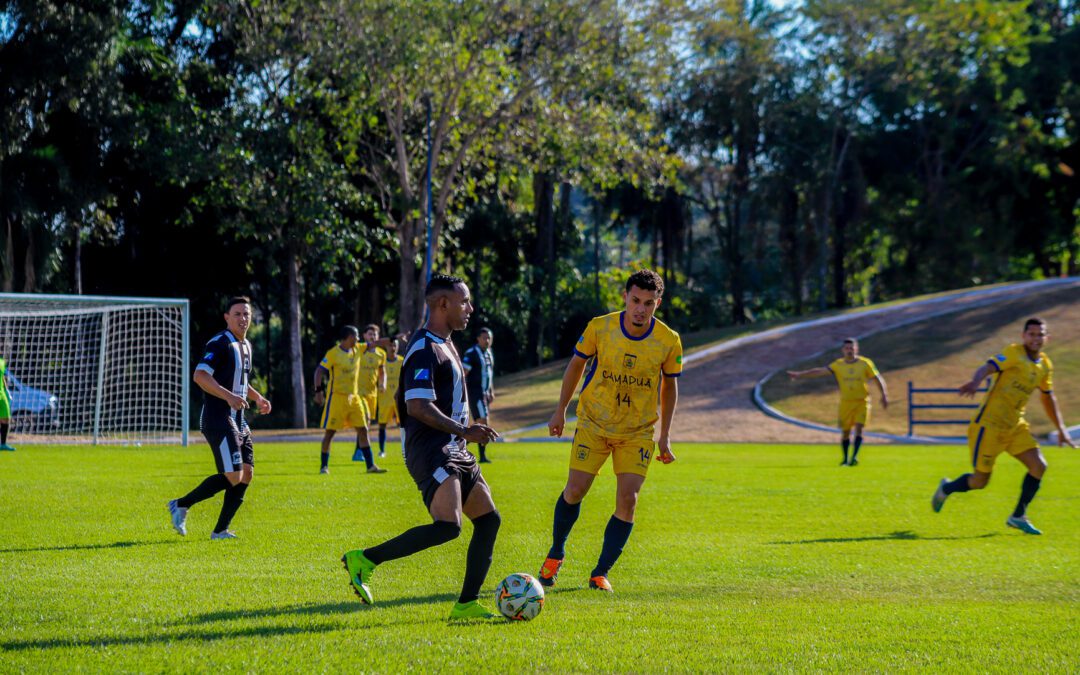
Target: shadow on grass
(326, 608)
(899, 535)
(90, 547)
(192, 635)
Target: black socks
(324, 459)
(958, 485)
(368, 459)
(4, 426)
(615, 535)
(844, 444)
(483, 448)
(1027, 492)
(565, 516)
(234, 497)
(413, 541)
(855, 448)
(205, 490)
(478, 561)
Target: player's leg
(1033, 459)
(225, 446)
(5, 418)
(363, 446)
(984, 448)
(324, 456)
(856, 444)
(382, 439)
(483, 446)
(631, 461)
(480, 509)
(234, 496)
(845, 443)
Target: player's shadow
(190, 635)
(89, 547)
(899, 535)
(324, 609)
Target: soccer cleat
(360, 570)
(225, 534)
(843, 463)
(382, 453)
(179, 517)
(939, 497)
(324, 469)
(549, 572)
(376, 469)
(600, 583)
(358, 455)
(470, 610)
(7, 448)
(1022, 524)
(853, 462)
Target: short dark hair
(483, 330)
(851, 341)
(347, 331)
(371, 326)
(1033, 321)
(441, 282)
(236, 300)
(646, 280)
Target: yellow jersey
(852, 376)
(369, 370)
(620, 396)
(393, 374)
(1017, 377)
(343, 368)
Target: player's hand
(320, 398)
(235, 402)
(382, 387)
(264, 405)
(480, 433)
(968, 389)
(666, 455)
(884, 402)
(793, 374)
(1063, 439)
(489, 397)
(556, 424)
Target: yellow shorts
(371, 401)
(342, 411)
(628, 455)
(854, 412)
(986, 443)
(388, 410)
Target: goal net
(94, 369)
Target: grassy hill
(944, 352)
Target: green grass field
(745, 557)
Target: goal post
(96, 369)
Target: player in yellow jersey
(999, 425)
(343, 407)
(372, 370)
(387, 404)
(634, 361)
(852, 372)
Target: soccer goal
(96, 369)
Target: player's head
(349, 336)
(238, 315)
(850, 348)
(644, 291)
(1035, 335)
(448, 301)
(371, 333)
(391, 349)
(484, 338)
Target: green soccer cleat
(7, 448)
(360, 570)
(1022, 524)
(938, 500)
(470, 610)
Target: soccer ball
(520, 597)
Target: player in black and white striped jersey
(224, 374)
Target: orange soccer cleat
(549, 572)
(600, 583)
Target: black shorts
(478, 407)
(430, 468)
(230, 444)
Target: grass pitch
(744, 557)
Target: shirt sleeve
(1007, 359)
(672, 366)
(1047, 384)
(419, 376)
(586, 344)
(871, 369)
(467, 360)
(327, 362)
(213, 357)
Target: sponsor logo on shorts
(236, 458)
(582, 452)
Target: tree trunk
(29, 270)
(9, 258)
(78, 261)
(296, 352)
(790, 244)
(410, 300)
(544, 214)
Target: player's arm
(669, 396)
(426, 411)
(207, 383)
(570, 380)
(813, 372)
(382, 378)
(884, 391)
(1053, 411)
(261, 401)
(968, 389)
(318, 387)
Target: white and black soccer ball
(520, 597)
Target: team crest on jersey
(629, 360)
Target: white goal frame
(97, 369)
